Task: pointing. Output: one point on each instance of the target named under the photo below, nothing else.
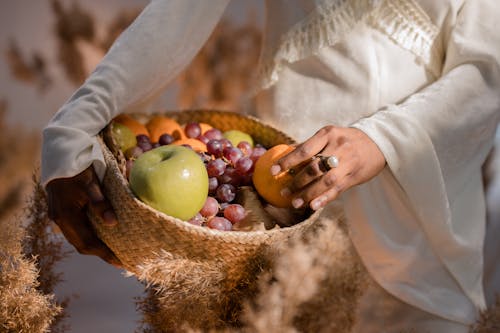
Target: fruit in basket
(220, 223)
(192, 130)
(205, 127)
(237, 136)
(197, 145)
(268, 186)
(227, 159)
(159, 125)
(123, 136)
(134, 125)
(171, 179)
(235, 213)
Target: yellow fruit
(134, 125)
(236, 136)
(124, 136)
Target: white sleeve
(151, 52)
(436, 141)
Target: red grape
(225, 143)
(245, 147)
(244, 165)
(232, 154)
(213, 183)
(210, 208)
(192, 130)
(197, 219)
(216, 167)
(257, 152)
(166, 139)
(203, 139)
(220, 223)
(145, 145)
(213, 134)
(230, 176)
(226, 193)
(142, 138)
(235, 213)
(214, 147)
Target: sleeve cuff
(67, 152)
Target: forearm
(143, 60)
(451, 122)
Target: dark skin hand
(359, 157)
(68, 201)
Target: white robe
(420, 78)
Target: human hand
(359, 158)
(68, 201)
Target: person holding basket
(395, 103)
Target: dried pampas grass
(46, 245)
(28, 251)
(23, 307)
(313, 287)
(182, 288)
(186, 295)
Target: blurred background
(48, 47)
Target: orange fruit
(205, 127)
(196, 144)
(134, 125)
(159, 125)
(268, 186)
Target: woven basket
(143, 232)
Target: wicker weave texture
(143, 232)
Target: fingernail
(285, 192)
(109, 218)
(297, 202)
(318, 203)
(275, 169)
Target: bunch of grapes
(228, 167)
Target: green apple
(124, 136)
(172, 179)
(236, 136)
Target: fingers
(327, 188)
(359, 160)
(315, 186)
(315, 169)
(74, 224)
(100, 206)
(312, 171)
(323, 190)
(303, 152)
(69, 200)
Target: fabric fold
(403, 21)
(137, 68)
